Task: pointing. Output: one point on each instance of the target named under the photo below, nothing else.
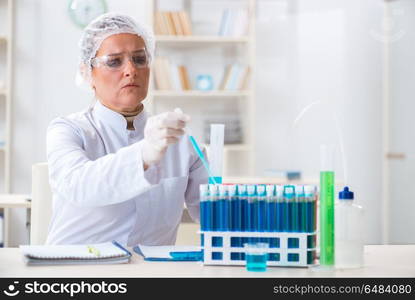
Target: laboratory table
(380, 261)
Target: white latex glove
(161, 131)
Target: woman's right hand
(161, 131)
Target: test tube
(310, 195)
(280, 218)
(327, 184)
(205, 209)
(261, 208)
(289, 197)
(217, 132)
(243, 198)
(297, 209)
(235, 217)
(252, 207)
(223, 208)
(308, 208)
(235, 208)
(271, 208)
(214, 193)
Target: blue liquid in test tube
(252, 207)
(289, 198)
(214, 194)
(205, 213)
(235, 217)
(279, 203)
(301, 209)
(262, 208)
(216, 224)
(235, 208)
(310, 198)
(243, 197)
(271, 208)
(307, 207)
(223, 204)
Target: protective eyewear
(116, 62)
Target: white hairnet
(98, 30)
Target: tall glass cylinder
(327, 206)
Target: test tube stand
(283, 251)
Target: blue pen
(187, 256)
(121, 247)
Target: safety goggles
(116, 62)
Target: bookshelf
(225, 49)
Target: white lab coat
(100, 189)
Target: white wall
(312, 50)
(322, 50)
(402, 106)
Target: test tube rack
(301, 252)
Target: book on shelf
(186, 23)
(244, 83)
(234, 23)
(159, 75)
(170, 76)
(235, 77)
(184, 76)
(177, 23)
(160, 25)
(226, 76)
(168, 17)
(172, 23)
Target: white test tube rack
(282, 251)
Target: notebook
(169, 253)
(103, 253)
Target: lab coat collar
(117, 120)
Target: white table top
(380, 261)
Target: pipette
(198, 151)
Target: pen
(189, 256)
(198, 151)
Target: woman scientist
(115, 172)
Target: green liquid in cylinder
(327, 218)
